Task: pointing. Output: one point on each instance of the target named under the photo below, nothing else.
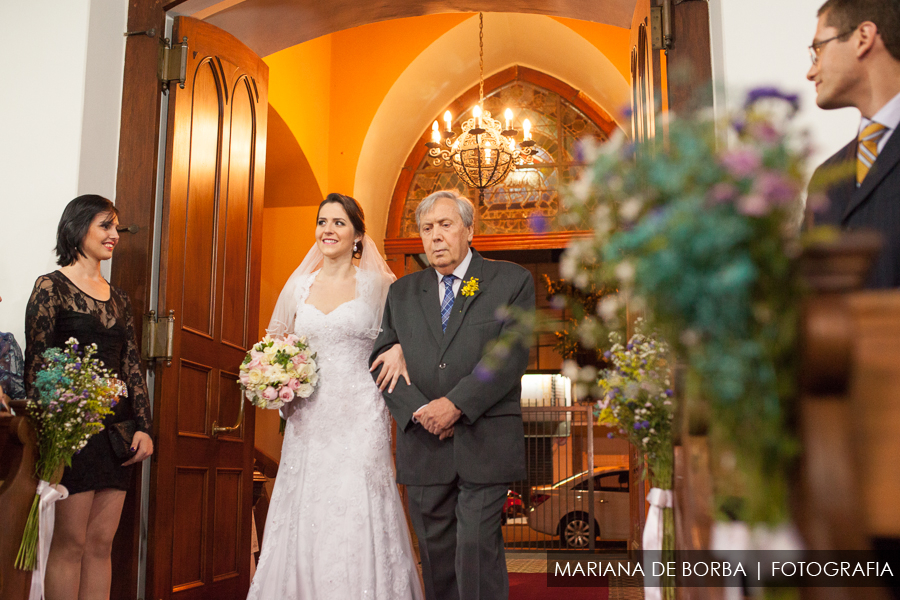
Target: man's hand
(446, 434)
(438, 415)
(394, 367)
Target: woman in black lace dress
(76, 301)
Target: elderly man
(856, 62)
(460, 440)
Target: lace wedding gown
(336, 527)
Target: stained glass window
(528, 198)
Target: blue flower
(670, 393)
(637, 426)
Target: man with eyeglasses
(856, 62)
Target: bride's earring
(354, 247)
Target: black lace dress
(58, 310)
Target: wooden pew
(18, 452)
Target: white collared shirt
(889, 116)
(459, 271)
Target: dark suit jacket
(874, 205)
(488, 445)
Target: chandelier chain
(480, 58)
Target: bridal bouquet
(275, 371)
(74, 393)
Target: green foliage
(701, 235)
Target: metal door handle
(216, 430)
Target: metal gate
(571, 495)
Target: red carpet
(533, 586)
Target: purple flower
(607, 355)
(610, 435)
(538, 223)
(78, 365)
(637, 426)
(670, 393)
(646, 424)
(777, 189)
(483, 373)
(757, 94)
(629, 346)
(742, 162)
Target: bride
(336, 527)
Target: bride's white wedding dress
(336, 527)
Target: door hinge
(661, 25)
(172, 63)
(158, 338)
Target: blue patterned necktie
(447, 302)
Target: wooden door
(210, 273)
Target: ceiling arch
(268, 26)
(449, 67)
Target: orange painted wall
(327, 91)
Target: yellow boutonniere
(471, 287)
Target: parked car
(562, 508)
(513, 507)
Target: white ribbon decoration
(653, 533)
(46, 517)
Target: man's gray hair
(463, 206)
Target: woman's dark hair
(353, 210)
(74, 224)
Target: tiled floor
(620, 588)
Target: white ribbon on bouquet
(653, 533)
(46, 517)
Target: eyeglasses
(816, 47)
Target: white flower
(305, 390)
(625, 271)
(608, 307)
(581, 187)
(631, 209)
(690, 338)
(570, 369)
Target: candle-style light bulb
(447, 119)
(508, 114)
(435, 134)
(476, 112)
(526, 126)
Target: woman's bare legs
(79, 563)
(63, 574)
(96, 565)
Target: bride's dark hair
(353, 210)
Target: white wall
(59, 130)
(764, 42)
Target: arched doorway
(520, 213)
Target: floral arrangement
(580, 305)
(700, 233)
(470, 287)
(636, 400)
(275, 371)
(74, 394)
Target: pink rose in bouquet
(276, 371)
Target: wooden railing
(18, 452)
(847, 486)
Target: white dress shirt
(889, 116)
(459, 271)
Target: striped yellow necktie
(867, 149)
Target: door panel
(210, 271)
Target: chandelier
(483, 154)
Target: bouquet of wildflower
(74, 393)
(275, 371)
(701, 232)
(636, 400)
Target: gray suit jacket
(488, 445)
(873, 205)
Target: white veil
(372, 283)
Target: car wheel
(575, 532)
